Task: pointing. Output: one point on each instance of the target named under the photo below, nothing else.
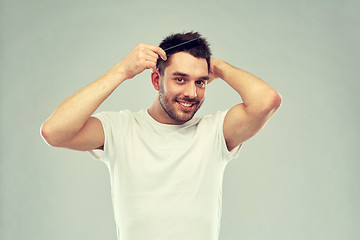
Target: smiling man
(166, 166)
(181, 88)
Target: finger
(151, 55)
(162, 54)
(151, 65)
(151, 58)
(155, 71)
(159, 51)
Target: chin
(182, 116)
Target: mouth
(186, 106)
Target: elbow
(276, 100)
(273, 102)
(48, 135)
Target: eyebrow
(187, 75)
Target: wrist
(218, 66)
(118, 73)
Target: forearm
(72, 113)
(256, 94)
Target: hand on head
(213, 72)
(143, 56)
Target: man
(166, 166)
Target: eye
(200, 82)
(180, 80)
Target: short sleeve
(98, 154)
(113, 124)
(220, 138)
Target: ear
(155, 76)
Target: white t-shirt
(166, 180)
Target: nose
(190, 90)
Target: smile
(186, 105)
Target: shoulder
(215, 118)
(212, 123)
(117, 118)
(113, 114)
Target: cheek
(173, 89)
(201, 93)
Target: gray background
(297, 179)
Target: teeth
(186, 104)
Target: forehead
(187, 63)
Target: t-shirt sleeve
(220, 139)
(109, 124)
(99, 154)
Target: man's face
(182, 87)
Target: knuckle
(142, 62)
(140, 47)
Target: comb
(185, 45)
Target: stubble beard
(169, 106)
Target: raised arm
(71, 125)
(260, 102)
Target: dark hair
(200, 50)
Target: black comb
(185, 45)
